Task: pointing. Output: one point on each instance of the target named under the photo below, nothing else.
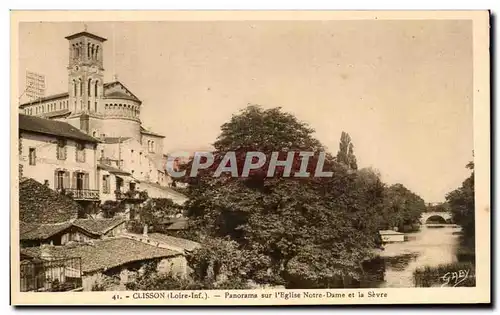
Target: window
(32, 156)
(119, 183)
(61, 149)
(105, 184)
(131, 186)
(95, 88)
(80, 178)
(89, 87)
(80, 152)
(60, 182)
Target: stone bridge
(441, 216)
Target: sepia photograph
(237, 160)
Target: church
(107, 111)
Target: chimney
(84, 122)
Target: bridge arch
(435, 217)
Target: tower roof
(102, 39)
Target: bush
(433, 276)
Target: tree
(461, 202)
(159, 209)
(403, 208)
(345, 154)
(109, 208)
(307, 232)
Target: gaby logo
(231, 163)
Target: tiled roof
(57, 113)
(179, 224)
(121, 95)
(39, 204)
(102, 39)
(44, 231)
(110, 84)
(174, 241)
(113, 140)
(52, 127)
(148, 132)
(166, 189)
(106, 254)
(98, 226)
(46, 98)
(112, 169)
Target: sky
(401, 89)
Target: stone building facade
(104, 110)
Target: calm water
(431, 246)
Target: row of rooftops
(62, 129)
(100, 255)
(44, 213)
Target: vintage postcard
(250, 158)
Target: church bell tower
(85, 73)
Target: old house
(119, 259)
(60, 156)
(79, 230)
(108, 111)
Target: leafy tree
(109, 208)
(159, 209)
(305, 231)
(461, 202)
(345, 154)
(403, 208)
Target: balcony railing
(51, 275)
(82, 194)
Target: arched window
(96, 52)
(81, 87)
(74, 88)
(96, 88)
(94, 133)
(88, 50)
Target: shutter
(86, 181)
(56, 181)
(66, 179)
(83, 152)
(64, 150)
(73, 184)
(34, 157)
(58, 150)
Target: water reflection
(431, 246)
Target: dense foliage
(157, 210)
(402, 209)
(300, 232)
(461, 203)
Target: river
(431, 246)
